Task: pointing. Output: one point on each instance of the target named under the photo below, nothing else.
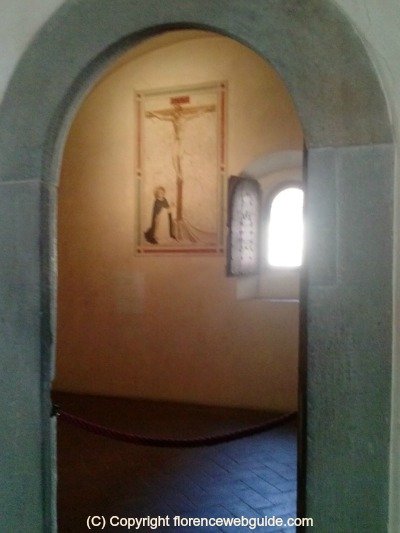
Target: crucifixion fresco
(180, 170)
(177, 116)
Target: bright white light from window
(285, 230)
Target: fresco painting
(181, 169)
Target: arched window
(285, 228)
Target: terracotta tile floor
(252, 477)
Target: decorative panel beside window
(243, 246)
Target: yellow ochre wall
(167, 328)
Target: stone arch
(349, 276)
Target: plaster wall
(167, 327)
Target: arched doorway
(350, 174)
(154, 323)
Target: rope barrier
(122, 436)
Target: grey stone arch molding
(347, 346)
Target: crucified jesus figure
(178, 115)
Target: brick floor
(252, 477)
